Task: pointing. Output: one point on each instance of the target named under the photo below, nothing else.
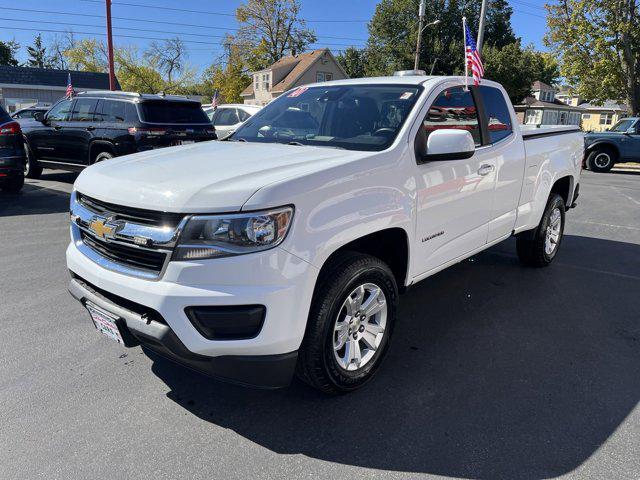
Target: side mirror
(39, 116)
(449, 144)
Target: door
(45, 139)
(508, 151)
(79, 131)
(630, 143)
(454, 197)
(225, 121)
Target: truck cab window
(498, 116)
(454, 109)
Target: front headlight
(214, 236)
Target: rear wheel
(601, 160)
(350, 324)
(538, 248)
(31, 167)
(103, 156)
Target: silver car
(227, 118)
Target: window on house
(533, 117)
(606, 119)
(324, 76)
(265, 81)
(586, 116)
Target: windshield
(354, 117)
(172, 112)
(622, 126)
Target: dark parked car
(28, 112)
(96, 126)
(621, 143)
(11, 154)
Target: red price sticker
(297, 92)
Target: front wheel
(601, 160)
(538, 248)
(102, 156)
(352, 317)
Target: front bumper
(281, 282)
(265, 371)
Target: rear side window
(226, 116)
(4, 116)
(498, 116)
(83, 110)
(113, 111)
(173, 112)
(454, 109)
(242, 115)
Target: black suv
(11, 154)
(96, 126)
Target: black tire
(103, 156)
(317, 363)
(13, 185)
(31, 167)
(602, 159)
(531, 245)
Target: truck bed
(533, 131)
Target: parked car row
(96, 126)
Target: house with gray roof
(22, 87)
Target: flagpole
(466, 63)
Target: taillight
(147, 131)
(11, 128)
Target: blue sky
(330, 18)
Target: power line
(209, 12)
(143, 20)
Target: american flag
(70, 92)
(214, 99)
(473, 57)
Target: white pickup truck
(284, 249)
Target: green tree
(269, 30)
(8, 52)
(88, 55)
(393, 33)
(598, 46)
(229, 80)
(354, 61)
(37, 54)
(517, 68)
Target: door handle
(57, 127)
(485, 170)
(90, 129)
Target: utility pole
(112, 74)
(483, 15)
(421, 15)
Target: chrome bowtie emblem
(102, 228)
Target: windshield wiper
(296, 143)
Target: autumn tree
(598, 44)
(270, 30)
(228, 77)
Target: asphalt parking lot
(496, 371)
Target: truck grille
(138, 258)
(131, 214)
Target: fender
(99, 142)
(600, 143)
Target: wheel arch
(390, 245)
(99, 146)
(563, 186)
(605, 144)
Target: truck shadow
(496, 371)
(35, 198)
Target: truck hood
(206, 177)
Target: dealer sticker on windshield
(406, 95)
(297, 92)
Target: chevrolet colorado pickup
(284, 249)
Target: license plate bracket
(110, 325)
